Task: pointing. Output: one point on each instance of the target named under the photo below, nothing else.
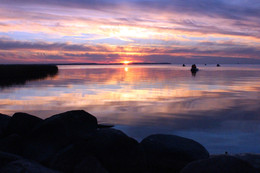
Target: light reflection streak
(166, 98)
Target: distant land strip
(135, 63)
(20, 74)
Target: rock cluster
(73, 142)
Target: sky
(113, 31)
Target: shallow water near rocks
(217, 106)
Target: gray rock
(89, 165)
(25, 166)
(22, 123)
(56, 132)
(170, 153)
(219, 164)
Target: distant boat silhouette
(218, 65)
(194, 68)
(183, 65)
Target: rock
(11, 144)
(57, 132)
(253, 159)
(170, 153)
(22, 123)
(100, 126)
(6, 158)
(89, 165)
(66, 159)
(4, 119)
(116, 152)
(77, 122)
(219, 164)
(25, 166)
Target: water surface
(218, 107)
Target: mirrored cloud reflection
(218, 107)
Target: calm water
(219, 107)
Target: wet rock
(4, 119)
(22, 123)
(57, 132)
(116, 152)
(6, 158)
(22, 166)
(253, 159)
(170, 153)
(219, 164)
(89, 165)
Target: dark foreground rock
(89, 165)
(73, 142)
(114, 150)
(11, 144)
(170, 153)
(57, 132)
(25, 166)
(253, 159)
(4, 119)
(219, 164)
(22, 123)
(6, 158)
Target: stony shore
(74, 142)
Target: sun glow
(126, 62)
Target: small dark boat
(183, 65)
(218, 65)
(194, 68)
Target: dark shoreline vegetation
(20, 74)
(74, 142)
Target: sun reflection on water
(160, 97)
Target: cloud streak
(98, 29)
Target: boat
(194, 68)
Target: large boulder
(6, 158)
(57, 132)
(11, 144)
(22, 166)
(22, 123)
(219, 164)
(116, 152)
(4, 119)
(89, 165)
(253, 159)
(170, 153)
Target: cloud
(95, 30)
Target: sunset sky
(109, 31)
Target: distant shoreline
(19, 74)
(115, 63)
(160, 63)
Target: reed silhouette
(20, 74)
